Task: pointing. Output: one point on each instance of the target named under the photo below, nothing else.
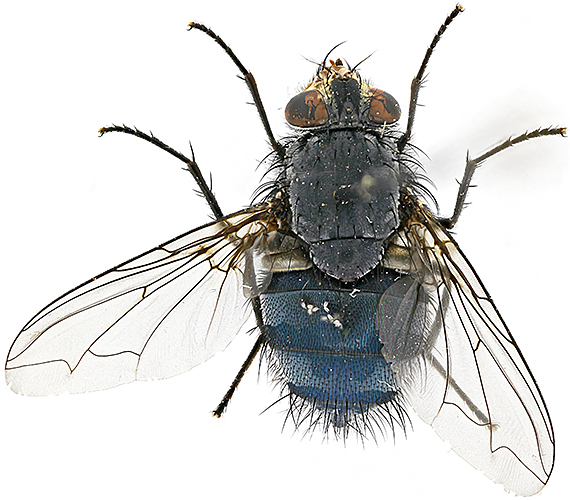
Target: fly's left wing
(457, 363)
(154, 316)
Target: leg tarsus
(251, 85)
(472, 165)
(419, 78)
(191, 164)
(247, 363)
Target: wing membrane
(155, 316)
(460, 367)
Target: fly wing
(154, 316)
(459, 366)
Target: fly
(365, 305)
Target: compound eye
(383, 107)
(306, 109)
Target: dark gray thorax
(343, 188)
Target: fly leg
(251, 84)
(191, 164)
(419, 78)
(206, 191)
(473, 163)
(247, 363)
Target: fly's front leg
(251, 85)
(419, 78)
(473, 163)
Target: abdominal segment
(324, 346)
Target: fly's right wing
(154, 316)
(457, 363)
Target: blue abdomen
(324, 342)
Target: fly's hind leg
(247, 363)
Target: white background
(73, 205)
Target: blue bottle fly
(365, 306)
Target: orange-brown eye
(383, 107)
(306, 109)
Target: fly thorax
(343, 189)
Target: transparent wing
(154, 316)
(459, 366)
